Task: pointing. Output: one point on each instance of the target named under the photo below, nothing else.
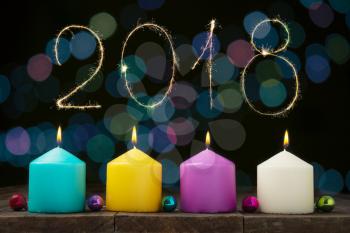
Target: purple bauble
(95, 202)
(250, 204)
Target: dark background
(318, 125)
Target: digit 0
(124, 68)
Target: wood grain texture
(261, 223)
(24, 222)
(178, 222)
(19, 222)
(338, 221)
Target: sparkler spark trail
(61, 103)
(209, 63)
(282, 47)
(160, 30)
(270, 52)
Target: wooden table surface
(337, 221)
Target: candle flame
(59, 135)
(286, 140)
(134, 136)
(207, 139)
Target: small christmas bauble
(169, 203)
(250, 204)
(325, 203)
(95, 202)
(18, 202)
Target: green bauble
(325, 203)
(169, 203)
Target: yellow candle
(134, 182)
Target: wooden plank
(22, 221)
(94, 222)
(338, 221)
(315, 223)
(178, 222)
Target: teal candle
(56, 183)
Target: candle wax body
(134, 183)
(207, 184)
(285, 185)
(56, 183)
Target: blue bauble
(169, 203)
(95, 202)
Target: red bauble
(18, 202)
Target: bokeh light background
(174, 131)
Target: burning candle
(134, 182)
(57, 182)
(207, 183)
(285, 184)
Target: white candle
(285, 184)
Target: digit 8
(272, 53)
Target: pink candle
(207, 183)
